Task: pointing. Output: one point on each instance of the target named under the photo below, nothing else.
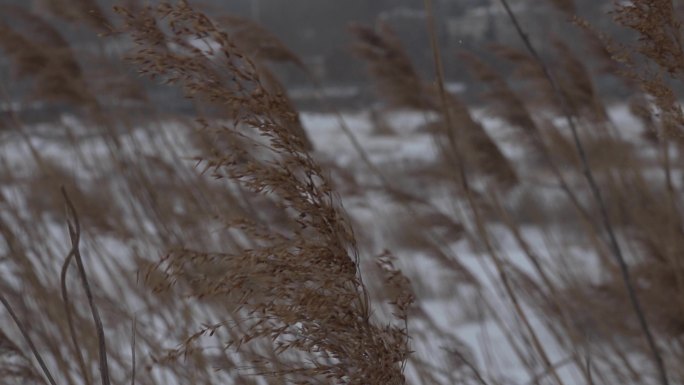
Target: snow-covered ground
(456, 315)
(455, 307)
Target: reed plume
(400, 85)
(39, 51)
(300, 285)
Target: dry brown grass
(87, 12)
(399, 84)
(256, 41)
(300, 286)
(39, 51)
(659, 30)
(395, 77)
(262, 278)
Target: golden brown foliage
(261, 278)
(660, 44)
(660, 31)
(300, 285)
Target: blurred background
(314, 142)
(318, 32)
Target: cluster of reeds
(299, 282)
(604, 179)
(217, 250)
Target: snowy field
(458, 317)
(455, 311)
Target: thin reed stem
(28, 339)
(596, 192)
(75, 235)
(70, 319)
(439, 69)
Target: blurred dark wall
(317, 30)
